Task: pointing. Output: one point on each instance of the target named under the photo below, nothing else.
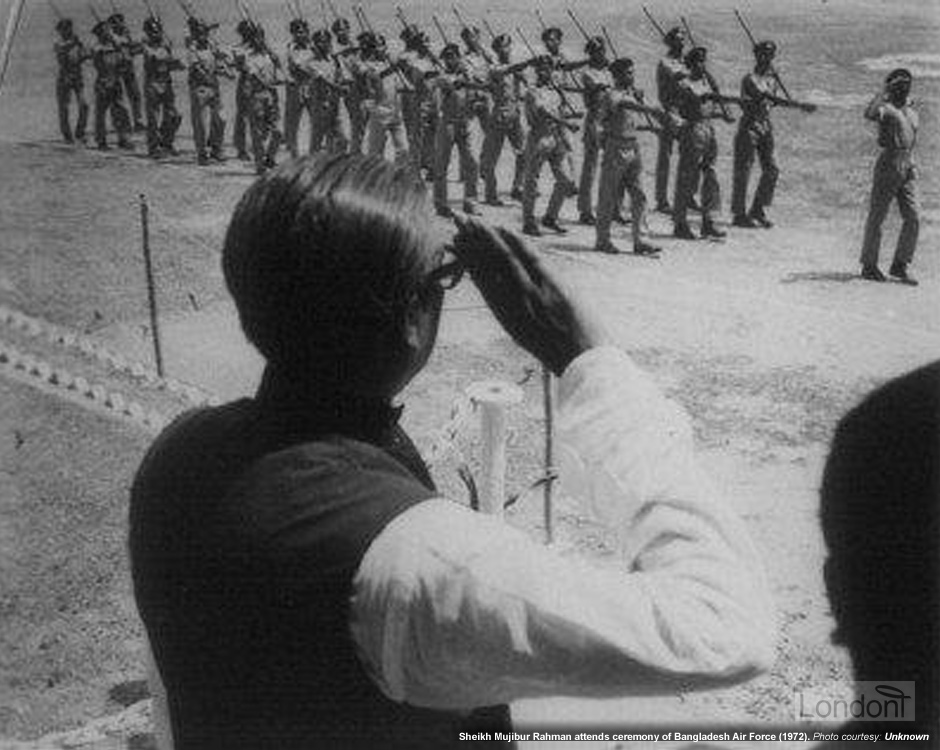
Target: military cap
(621, 65)
(64, 24)
(244, 29)
(469, 32)
(298, 25)
(594, 45)
(696, 54)
(674, 35)
(408, 33)
(367, 39)
(321, 36)
(551, 31)
(898, 77)
(340, 25)
(502, 41)
(765, 47)
(116, 18)
(450, 50)
(152, 25)
(101, 28)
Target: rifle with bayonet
(718, 97)
(787, 100)
(571, 113)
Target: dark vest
(248, 523)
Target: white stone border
(63, 337)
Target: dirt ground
(766, 338)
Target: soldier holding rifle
(419, 66)
(378, 82)
(129, 48)
(453, 95)
(70, 54)
(330, 126)
(206, 63)
(107, 56)
(506, 86)
(621, 166)
(240, 128)
(550, 120)
(263, 76)
(595, 80)
(760, 91)
(698, 104)
(298, 92)
(669, 72)
(163, 119)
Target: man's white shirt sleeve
(456, 609)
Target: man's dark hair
(880, 517)
(323, 256)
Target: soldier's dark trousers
(502, 128)
(163, 119)
(132, 90)
(64, 90)
(329, 126)
(698, 151)
(588, 169)
(557, 153)
(240, 126)
(663, 159)
(294, 108)
(108, 100)
(448, 135)
(621, 170)
(894, 179)
(206, 104)
(263, 118)
(749, 141)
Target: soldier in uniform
(759, 92)
(379, 79)
(476, 63)
(506, 85)
(298, 92)
(163, 119)
(895, 177)
(452, 95)
(330, 126)
(698, 148)
(244, 29)
(206, 63)
(262, 76)
(70, 53)
(595, 80)
(669, 72)
(621, 166)
(348, 56)
(107, 56)
(547, 140)
(419, 66)
(122, 38)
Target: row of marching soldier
(357, 95)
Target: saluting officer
(70, 54)
(894, 178)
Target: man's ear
(413, 325)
